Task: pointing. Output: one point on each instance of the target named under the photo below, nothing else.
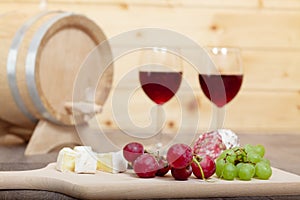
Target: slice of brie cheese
(112, 162)
(82, 149)
(85, 161)
(66, 160)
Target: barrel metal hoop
(31, 66)
(11, 66)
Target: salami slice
(214, 142)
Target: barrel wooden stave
(9, 111)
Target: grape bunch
(183, 163)
(144, 164)
(180, 159)
(243, 163)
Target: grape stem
(201, 170)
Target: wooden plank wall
(267, 31)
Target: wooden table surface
(282, 150)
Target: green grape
(241, 156)
(219, 167)
(231, 158)
(244, 159)
(249, 148)
(265, 161)
(223, 155)
(225, 151)
(253, 157)
(238, 166)
(240, 151)
(263, 170)
(229, 171)
(246, 171)
(230, 152)
(235, 149)
(259, 149)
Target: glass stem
(218, 117)
(160, 123)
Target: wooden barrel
(40, 56)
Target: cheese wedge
(82, 149)
(112, 162)
(85, 161)
(66, 160)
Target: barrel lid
(61, 47)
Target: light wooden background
(267, 31)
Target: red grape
(179, 156)
(145, 166)
(164, 167)
(132, 150)
(182, 174)
(207, 164)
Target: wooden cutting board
(126, 185)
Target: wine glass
(160, 76)
(221, 83)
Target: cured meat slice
(214, 142)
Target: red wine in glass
(160, 86)
(213, 87)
